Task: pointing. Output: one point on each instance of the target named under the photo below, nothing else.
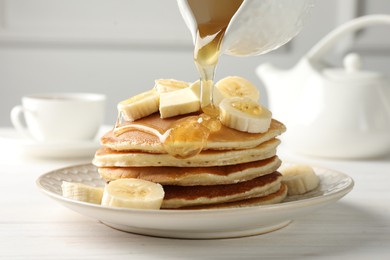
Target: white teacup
(59, 116)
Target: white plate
(52, 150)
(196, 224)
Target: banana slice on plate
(82, 192)
(235, 86)
(168, 85)
(299, 179)
(244, 114)
(133, 193)
(139, 106)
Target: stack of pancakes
(234, 168)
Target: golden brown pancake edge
(105, 157)
(184, 196)
(272, 198)
(189, 176)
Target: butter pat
(179, 102)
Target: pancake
(184, 196)
(272, 198)
(189, 176)
(105, 157)
(224, 139)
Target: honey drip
(212, 18)
(188, 136)
(185, 138)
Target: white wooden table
(32, 226)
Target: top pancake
(224, 139)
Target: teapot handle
(323, 46)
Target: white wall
(119, 47)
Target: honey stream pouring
(239, 27)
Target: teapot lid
(351, 71)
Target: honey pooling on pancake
(188, 136)
(185, 138)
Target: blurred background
(119, 47)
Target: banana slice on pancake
(245, 114)
(168, 85)
(139, 106)
(235, 86)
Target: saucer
(53, 149)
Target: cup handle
(16, 114)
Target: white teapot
(332, 112)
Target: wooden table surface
(33, 226)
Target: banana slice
(179, 102)
(299, 179)
(195, 87)
(235, 86)
(244, 114)
(140, 105)
(82, 192)
(133, 193)
(168, 85)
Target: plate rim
(284, 205)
